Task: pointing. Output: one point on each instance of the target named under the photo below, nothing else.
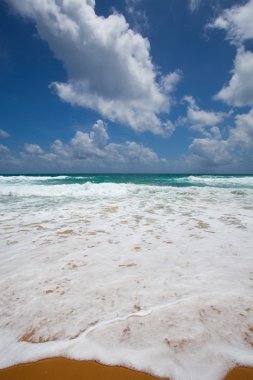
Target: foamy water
(155, 274)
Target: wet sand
(65, 369)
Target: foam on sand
(155, 278)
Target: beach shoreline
(155, 276)
(64, 369)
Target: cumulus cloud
(93, 151)
(239, 91)
(4, 133)
(109, 65)
(99, 134)
(214, 151)
(33, 149)
(90, 151)
(243, 133)
(199, 120)
(84, 145)
(211, 151)
(132, 154)
(94, 147)
(237, 22)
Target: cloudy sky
(126, 86)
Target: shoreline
(64, 369)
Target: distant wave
(226, 181)
(158, 180)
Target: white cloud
(4, 133)
(169, 82)
(84, 145)
(239, 91)
(109, 65)
(85, 152)
(243, 133)
(133, 153)
(200, 120)
(60, 149)
(237, 148)
(211, 152)
(94, 150)
(99, 135)
(237, 21)
(33, 149)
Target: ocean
(154, 272)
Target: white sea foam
(76, 190)
(156, 278)
(27, 179)
(222, 180)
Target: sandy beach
(64, 369)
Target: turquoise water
(175, 180)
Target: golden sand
(66, 369)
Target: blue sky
(126, 86)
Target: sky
(126, 86)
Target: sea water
(153, 272)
